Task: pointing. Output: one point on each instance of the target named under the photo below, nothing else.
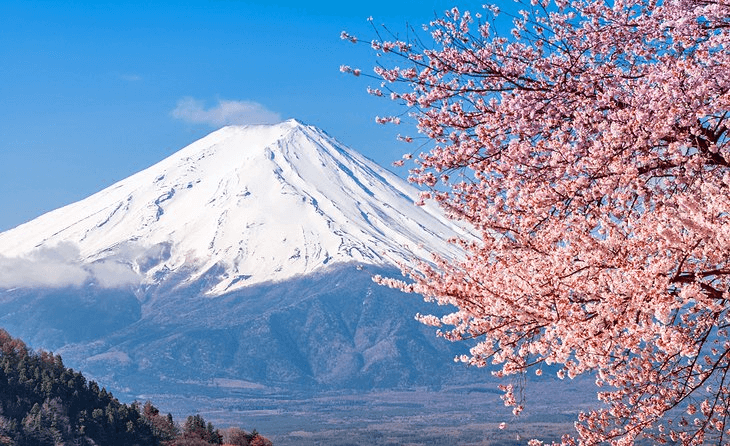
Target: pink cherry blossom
(590, 152)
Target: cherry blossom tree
(589, 150)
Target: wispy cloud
(130, 77)
(224, 113)
(60, 267)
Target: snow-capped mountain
(240, 267)
(251, 204)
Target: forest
(42, 402)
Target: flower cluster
(590, 152)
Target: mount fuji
(248, 205)
(242, 263)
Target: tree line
(42, 402)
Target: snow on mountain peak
(245, 205)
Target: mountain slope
(240, 264)
(248, 204)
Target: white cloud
(113, 274)
(225, 113)
(130, 77)
(60, 267)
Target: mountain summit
(245, 205)
(241, 264)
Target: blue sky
(88, 90)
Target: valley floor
(464, 415)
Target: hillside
(44, 403)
